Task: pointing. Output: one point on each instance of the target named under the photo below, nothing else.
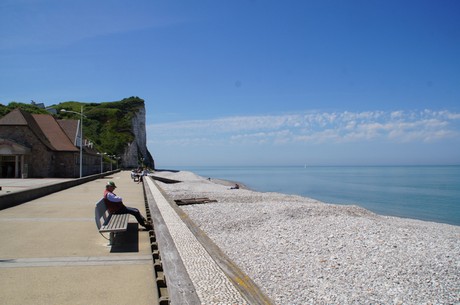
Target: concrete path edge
(248, 289)
(16, 198)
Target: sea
(430, 193)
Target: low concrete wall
(16, 198)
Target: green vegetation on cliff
(26, 107)
(107, 125)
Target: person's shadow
(127, 241)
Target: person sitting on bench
(115, 205)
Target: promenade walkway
(51, 252)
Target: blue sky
(251, 82)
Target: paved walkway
(51, 252)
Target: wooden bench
(111, 223)
(135, 176)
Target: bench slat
(110, 223)
(120, 222)
(117, 223)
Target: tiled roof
(70, 128)
(23, 118)
(15, 117)
(53, 131)
(44, 126)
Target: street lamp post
(115, 158)
(81, 137)
(102, 164)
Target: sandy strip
(302, 251)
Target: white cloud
(312, 127)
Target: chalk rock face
(136, 153)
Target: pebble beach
(302, 251)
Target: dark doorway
(7, 166)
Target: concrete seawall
(16, 198)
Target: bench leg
(111, 238)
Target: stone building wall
(65, 165)
(41, 162)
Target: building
(39, 146)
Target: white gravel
(302, 251)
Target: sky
(251, 82)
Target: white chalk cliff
(136, 152)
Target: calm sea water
(422, 192)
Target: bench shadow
(127, 241)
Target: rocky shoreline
(302, 251)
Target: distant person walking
(115, 205)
